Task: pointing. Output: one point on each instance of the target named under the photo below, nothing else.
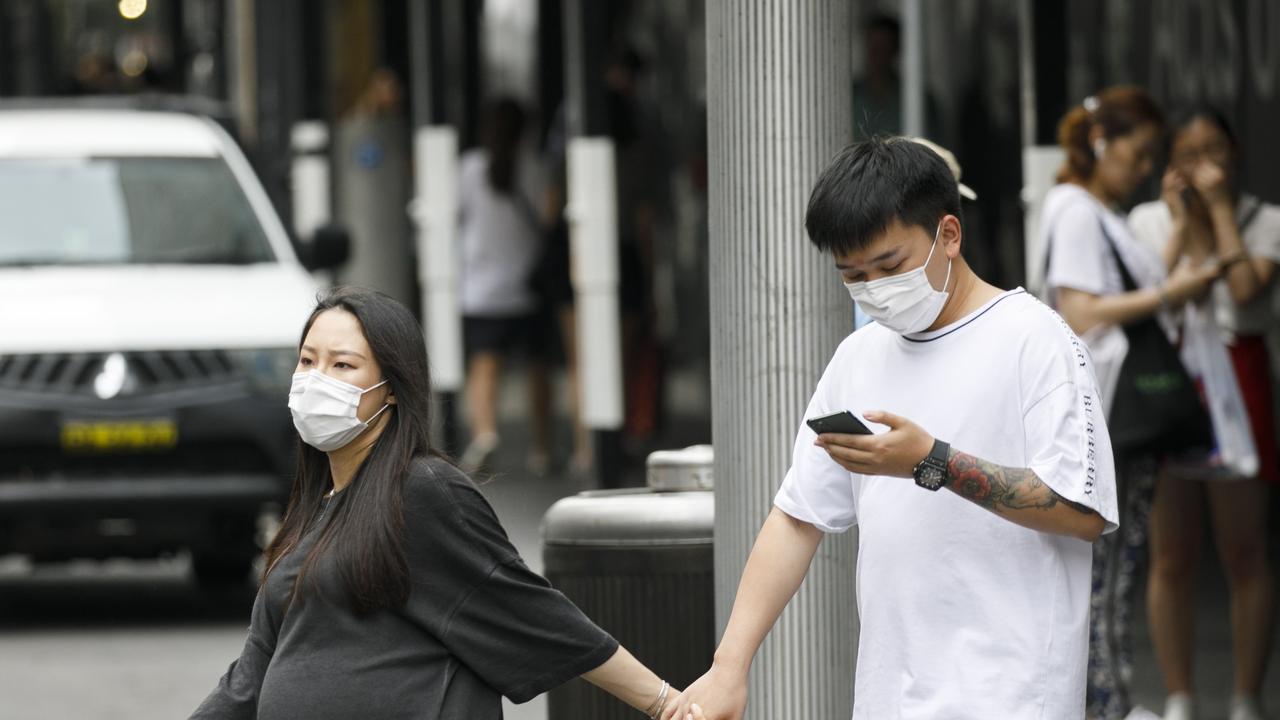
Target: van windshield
(130, 210)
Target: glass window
(126, 211)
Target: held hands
(895, 453)
(720, 694)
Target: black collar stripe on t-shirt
(984, 311)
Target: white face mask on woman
(905, 303)
(324, 410)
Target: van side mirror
(330, 247)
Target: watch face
(931, 477)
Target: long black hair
(363, 536)
(503, 128)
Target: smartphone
(842, 423)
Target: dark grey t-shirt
(478, 624)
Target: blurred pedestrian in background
(373, 156)
(643, 195)
(1203, 217)
(1109, 288)
(391, 590)
(503, 197)
(877, 92)
(553, 283)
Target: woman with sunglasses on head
(391, 590)
(1202, 217)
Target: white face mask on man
(906, 303)
(324, 410)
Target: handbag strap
(1250, 215)
(1126, 279)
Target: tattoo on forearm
(999, 488)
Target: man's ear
(391, 398)
(951, 235)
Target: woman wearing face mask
(391, 590)
(1100, 279)
(1201, 217)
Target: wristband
(660, 703)
(1233, 259)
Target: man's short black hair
(870, 184)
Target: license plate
(115, 435)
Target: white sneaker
(1179, 706)
(1245, 707)
(1140, 713)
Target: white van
(150, 308)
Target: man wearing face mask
(986, 477)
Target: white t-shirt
(1079, 254)
(1152, 225)
(499, 237)
(964, 614)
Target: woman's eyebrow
(308, 348)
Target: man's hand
(720, 694)
(895, 453)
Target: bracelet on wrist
(659, 703)
(1233, 259)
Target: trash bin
(638, 562)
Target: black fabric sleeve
(522, 636)
(236, 696)
(471, 589)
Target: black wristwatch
(931, 473)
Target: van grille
(143, 372)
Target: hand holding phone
(840, 423)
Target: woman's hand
(695, 711)
(1172, 185)
(1190, 282)
(1210, 181)
(720, 694)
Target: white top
(1152, 224)
(964, 614)
(500, 238)
(1079, 257)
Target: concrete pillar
(779, 107)
(913, 77)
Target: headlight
(269, 371)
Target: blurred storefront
(986, 78)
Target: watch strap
(931, 473)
